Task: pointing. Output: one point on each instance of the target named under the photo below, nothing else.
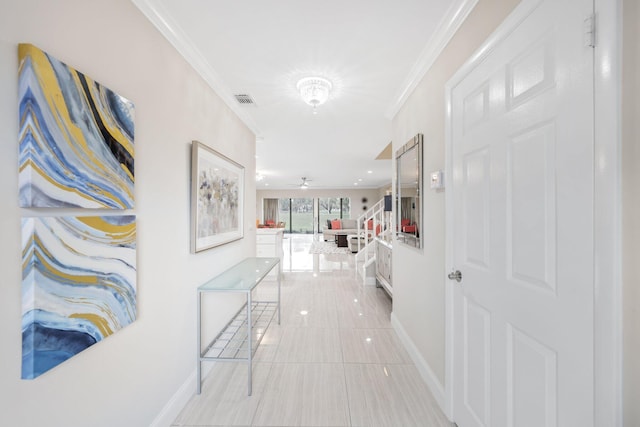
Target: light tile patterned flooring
(338, 364)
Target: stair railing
(372, 223)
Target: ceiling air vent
(244, 99)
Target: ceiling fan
(304, 184)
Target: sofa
(355, 242)
(346, 226)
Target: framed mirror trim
(413, 240)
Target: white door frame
(607, 208)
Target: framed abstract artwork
(78, 285)
(76, 137)
(217, 198)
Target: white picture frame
(217, 198)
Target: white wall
(631, 210)
(419, 276)
(128, 378)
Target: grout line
(344, 375)
(268, 377)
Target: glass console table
(240, 338)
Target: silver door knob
(455, 275)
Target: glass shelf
(242, 277)
(240, 338)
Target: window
(332, 208)
(297, 215)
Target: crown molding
(447, 28)
(156, 14)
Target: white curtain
(270, 210)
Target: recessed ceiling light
(369, 171)
(359, 179)
(355, 183)
(266, 184)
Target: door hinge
(590, 31)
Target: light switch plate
(437, 180)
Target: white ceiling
(373, 52)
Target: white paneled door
(522, 158)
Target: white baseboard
(427, 374)
(179, 400)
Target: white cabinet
(269, 244)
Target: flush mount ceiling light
(314, 90)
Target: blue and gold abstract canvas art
(76, 137)
(78, 285)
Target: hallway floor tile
(333, 361)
